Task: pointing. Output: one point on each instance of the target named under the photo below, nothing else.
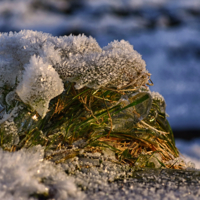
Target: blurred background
(165, 32)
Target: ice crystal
(40, 84)
(116, 66)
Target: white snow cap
(36, 64)
(117, 65)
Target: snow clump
(39, 85)
(22, 177)
(36, 65)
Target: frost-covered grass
(72, 100)
(68, 88)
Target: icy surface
(25, 178)
(152, 184)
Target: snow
(25, 173)
(40, 83)
(190, 150)
(39, 64)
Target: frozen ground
(153, 185)
(31, 179)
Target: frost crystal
(116, 66)
(36, 65)
(10, 133)
(160, 100)
(157, 96)
(39, 85)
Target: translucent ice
(39, 85)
